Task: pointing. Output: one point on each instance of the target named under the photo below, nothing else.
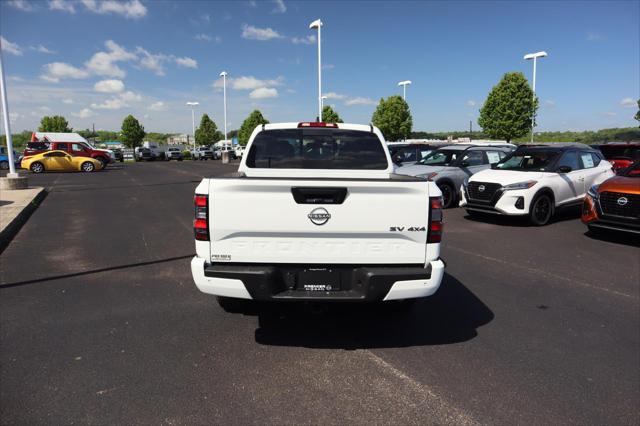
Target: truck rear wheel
(232, 304)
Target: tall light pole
(535, 57)
(223, 74)
(7, 125)
(322, 98)
(193, 120)
(404, 85)
(318, 24)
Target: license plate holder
(319, 279)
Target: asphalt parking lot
(101, 323)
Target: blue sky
(96, 62)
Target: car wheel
(232, 304)
(541, 210)
(37, 167)
(87, 167)
(4, 165)
(102, 161)
(448, 195)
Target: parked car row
(75, 149)
(216, 152)
(534, 181)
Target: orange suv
(615, 203)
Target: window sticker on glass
(493, 157)
(587, 160)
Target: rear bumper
(366, 283)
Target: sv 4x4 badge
(409, 229)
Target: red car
(621, 154)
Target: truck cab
(315, 212)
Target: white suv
(535, 180)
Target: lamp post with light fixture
(404, 85)
(318, 24)
(535, 57)
(193, 120)
(224, 74)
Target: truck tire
(232, 304)
(103, 161)
(4, 165)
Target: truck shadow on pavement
(561, 215)
(616, 237)
(452, 315)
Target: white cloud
(67, 101)
(333, 95)
(360, 101)
(328, 66)
(264, 93)
(23, 5)
(253, 3)
(310, 39)
(130, 96)
(109, 86)
(59, 70)
(248, 83)
(41, 49)
(471, 103)
(628, 103)
(263, 34)
(9, 47)
(550, 103)
(104, 63)
(152, 62)
(280, 7)
(187, 62)
(63, 5)
(609, 114)
(132, 9)
(158, 106)
(203, 37)
(84, 113)
(15, 78)
(14, 116)
(113, 103)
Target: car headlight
(593, 192)
(520, 185)
(429, 176)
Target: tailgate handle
(319, 195)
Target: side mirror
(494, 166)
(564, 169)
(464, 164)
(397, 159)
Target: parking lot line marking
(451, 414)
(549, 274)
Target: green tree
(330, 116)
(207, 133)
(132, 132)
(393, 118)
(509, 108)
(252, 121)
(637, 116)
(56, 123)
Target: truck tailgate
(260, 221)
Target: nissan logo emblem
(481, 188)
(319, 216)
(622, 201)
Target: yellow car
(59, 161)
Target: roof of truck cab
(343, 126)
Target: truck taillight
(436, 224)
(201, 222)
(318, 124)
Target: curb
(7, 234)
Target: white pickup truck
(315, 212)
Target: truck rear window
(317, 149)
